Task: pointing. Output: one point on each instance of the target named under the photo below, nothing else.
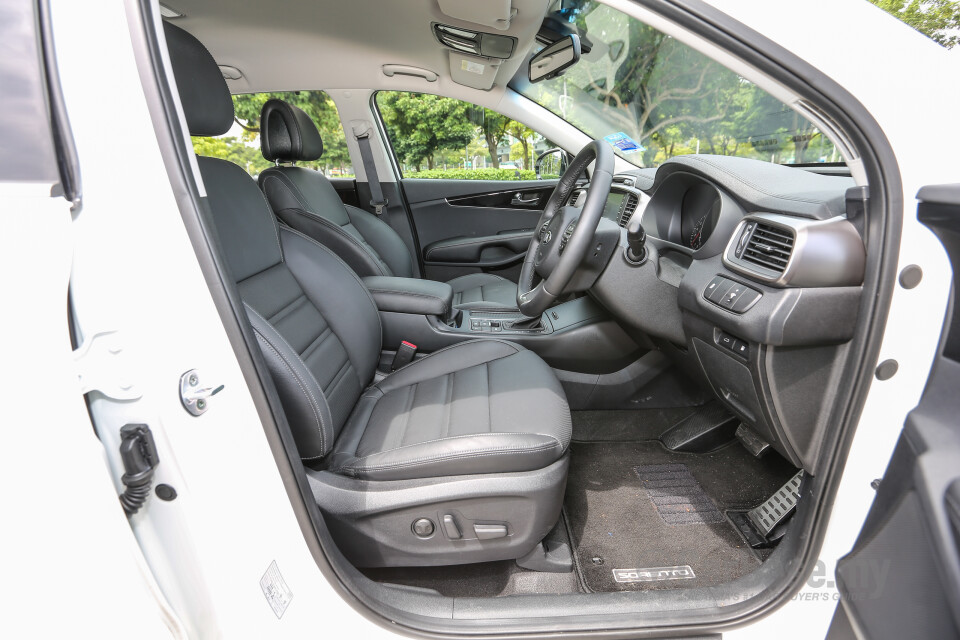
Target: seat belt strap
(379, 203)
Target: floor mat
(637, 506)
(676, 495)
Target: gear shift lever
(636, 241)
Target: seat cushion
(485, 406)
(484, 291)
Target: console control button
(731, 295)
(726, 341)
(741, 348)
(712, 287)
(746, 300)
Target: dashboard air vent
(769, 247)
(629, 206)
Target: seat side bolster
(319, 218)
(385, 241)
(340, 297)
(303, 400)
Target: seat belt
(379, 203)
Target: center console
(578, 335)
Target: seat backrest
(305, 200)
(317, 326)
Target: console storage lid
(410, 295)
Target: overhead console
(486, 40)
(753, 282)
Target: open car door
(902, 577)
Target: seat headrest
(203, 91)
(287, 134)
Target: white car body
(193, 568)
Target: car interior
(605, 393)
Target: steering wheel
(564, 234)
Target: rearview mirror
(552, 60)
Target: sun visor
(473, 71)
(490, 13)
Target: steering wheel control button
(423, 528)
(490, 531)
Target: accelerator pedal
(759, 525)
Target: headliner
(288, 45)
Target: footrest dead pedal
(759, 523)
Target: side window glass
(241, 145)
(444, 138)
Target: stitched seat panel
(278, 298)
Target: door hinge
(102, 366)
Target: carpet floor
(636, 505)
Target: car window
(241, 145)
(444, 138)
(653, 97)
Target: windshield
(653, 98)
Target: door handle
(518, 199)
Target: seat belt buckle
(378, 207)
(404, 355)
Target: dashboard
(752, 283)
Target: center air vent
(769, 247)
(629, 206)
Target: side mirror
(551, 164)
(552, 60)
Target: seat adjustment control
(423, 527)
(450, 527)
(490, 531)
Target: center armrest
(410, 295)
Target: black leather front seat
(305, 200)
(472, 439)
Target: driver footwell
(633, 507)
